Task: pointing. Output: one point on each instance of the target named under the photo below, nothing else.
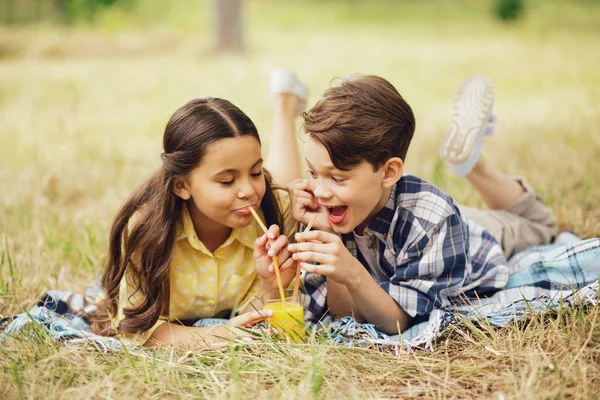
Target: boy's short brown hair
(361, 118)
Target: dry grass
(82, 114)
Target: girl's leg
(289, 98)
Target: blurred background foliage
(151, 12)
(38, 27)
(509, 10)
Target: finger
(273, 232)
(321, 236)
(310, 246)
(260, 241)
(312, 256)
(305, 199)
(252, 317)
(289, 263)
(302, 184)
(321, 269)
(283, 257)
(277, 245)
(293, 184)
(259, 245)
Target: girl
(185, 245)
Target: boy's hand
(265, 248)
(327, 249)
(305, 205)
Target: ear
(392, 171)
(181, 188)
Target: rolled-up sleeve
(315, 297)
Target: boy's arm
(376, 305)
(336, 263)
(432, 266)
(340, 301)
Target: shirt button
(210, 303)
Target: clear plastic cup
(288, 316)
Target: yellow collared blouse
(205, 284)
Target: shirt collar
(246, 235)
(380, 224)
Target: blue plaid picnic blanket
(542, 279)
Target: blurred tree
(227, 23)
(509, 10)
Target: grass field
(81, 117)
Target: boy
(387, 247)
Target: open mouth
(337, 214)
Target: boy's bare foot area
(473, 120)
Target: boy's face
(352, 198)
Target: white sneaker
(285, 81)
(473, 121)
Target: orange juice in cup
(288, 317)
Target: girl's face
(228, 180)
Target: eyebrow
(233, 170)
(329, 167)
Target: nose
(246, 190)
(320, 189)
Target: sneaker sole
(473, 103)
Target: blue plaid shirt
(429, 255)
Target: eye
(227, 183)
(338, 180)
(312, 173)
(257, 174)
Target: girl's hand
(327, 249)
(246, 320)
(305, 205)
(249, 319)
(265, 248)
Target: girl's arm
(171, 334)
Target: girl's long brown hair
(145, 249)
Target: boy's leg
(498, 190)
(289, 99)
(516, 217)
(526, 223)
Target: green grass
(83, 109)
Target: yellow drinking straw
(297, 281)
(275, 262)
